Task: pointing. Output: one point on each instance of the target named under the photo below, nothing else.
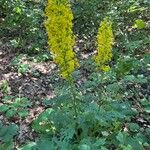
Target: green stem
(73, 96)
(99, 92)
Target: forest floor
(34, 87)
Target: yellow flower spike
(104, 45)
(60, 35)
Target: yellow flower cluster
(60, 35)
(104, 45)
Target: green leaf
(84, 147)
(11, 113)
(135, 143)
(23, 68)
(28, 146)
(7, 132)
(128, 147)
(23, 113)
(140, 24)
(147, 109)
(43, 124)
(130, 78)
(115, 87)
(122, 137)
(3, 108)
(46, 144)
(7, 98)
(100, 142)
(18, 10)
(147, 58)
(134, 127)
(6, 145)
(103, 148)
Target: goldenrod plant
(104, 45)
(60, 35)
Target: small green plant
(15, 107)
(41, 57)
(18, 64)
(4, 86)
(23, 68)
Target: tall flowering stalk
(104, 45)
(60, 35)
